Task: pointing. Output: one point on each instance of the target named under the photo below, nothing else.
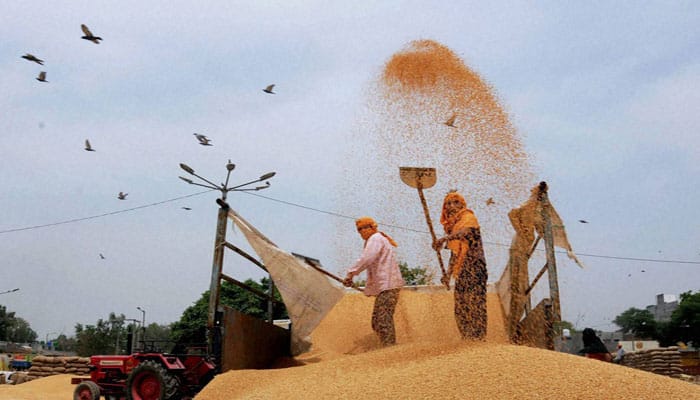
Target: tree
(415, 276)
(64, 343)
(20, 332)
(684, 325)
(685, 320)
(7, 320)
(191, 328)
(15, 329)
(101, 338)
(561, 325)
(641, 323)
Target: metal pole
(551, 260)
(213, 333)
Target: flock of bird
(88, 35)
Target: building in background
(664, 307)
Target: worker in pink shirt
(384, 278)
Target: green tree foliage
(15, 329)
(684, 325)
(415, 276)
(686, 318)
(101, 338)
(21, 332)
(6, 322)
(561, 325)
(641, 323)
(191, 328)
(64, 343)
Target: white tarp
(307, 293)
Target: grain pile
(663, 361)
(56, 387)
(482, 155)
(430, 363)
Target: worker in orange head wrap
(384, 278)
(467, 265)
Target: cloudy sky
(604, 96)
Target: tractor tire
(86, 390)
(150, 381)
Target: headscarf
(369, 222)
(448, 222)
(592, 343)
(462, 219)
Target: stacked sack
(662, 361)
(47, 366)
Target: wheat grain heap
(430, 362)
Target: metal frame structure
(214, 313)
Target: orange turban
(365, 221)
(369, 222)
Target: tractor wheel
(150, 381)
(86, 390)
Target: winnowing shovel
(422, 178)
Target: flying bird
(268, 89)
(31, 57)
(490, 201)
(451, 122)
(583, 221)
(101, 256)
(122, 195)
(88, 147)
(88, 35)
(42, 77)
(203, 140)
(186, 208)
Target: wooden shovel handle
(432, 231)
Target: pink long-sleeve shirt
(379, 259)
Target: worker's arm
(370, 255)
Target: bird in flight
(122, 195)
(583, 221)
(30, 57)
(88, 147)
(203, 140)
(186, 208)
(101, 256)
(42, 77)
(268, 89)
(451, 122)
(490, 201)
(88, 35)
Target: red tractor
(145, 376)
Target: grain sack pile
(47, 366)
(429, 362)
(665, 361)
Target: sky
(603, 95)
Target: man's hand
(348, 280)
(437, 244)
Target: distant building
(664, 307)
